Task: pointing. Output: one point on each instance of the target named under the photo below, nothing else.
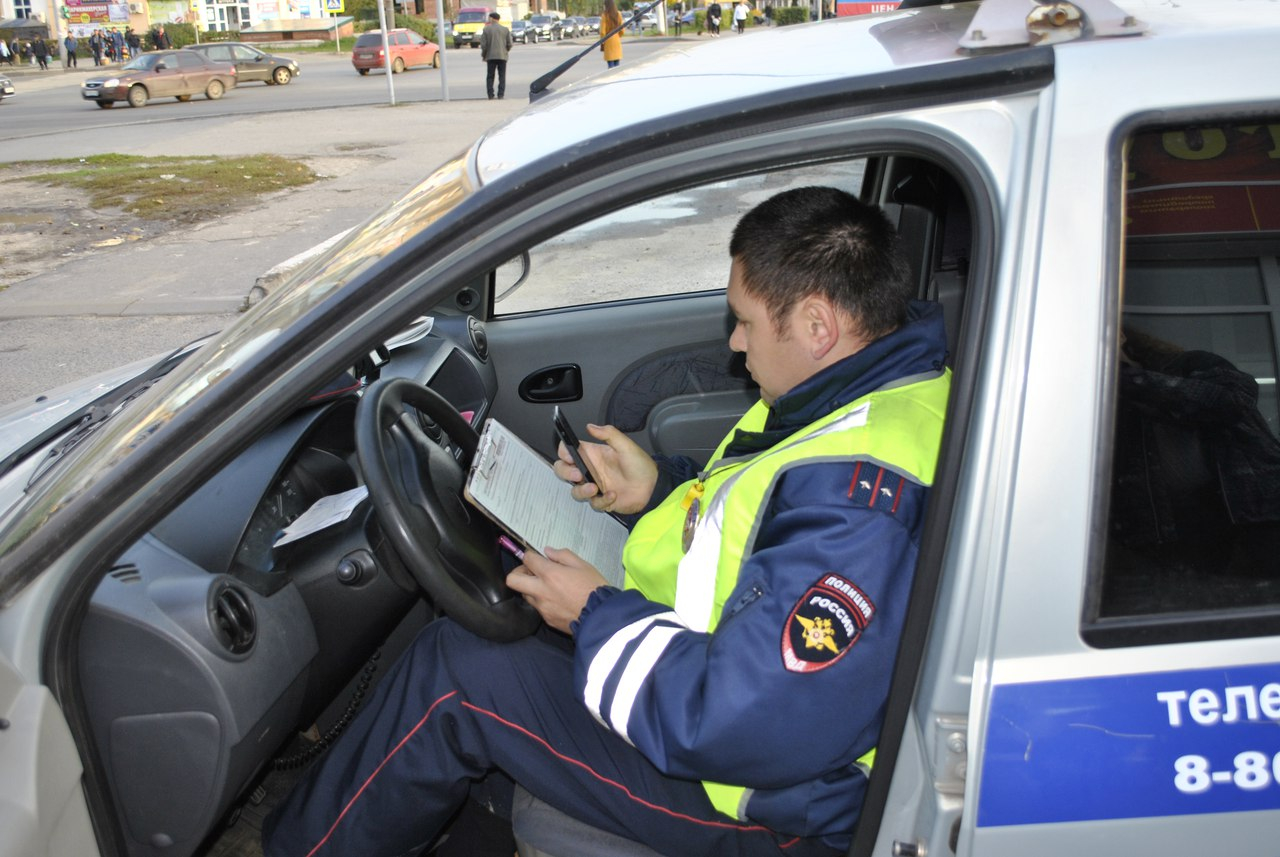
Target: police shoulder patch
(824, 624)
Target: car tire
(362, 71)
(281, 76)
(435, 60)
(183, 98)
(214, 90)
(105, 104)
(397, 65)
(138, 95)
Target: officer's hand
(557, 585)
(627, 471)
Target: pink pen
(508, 545)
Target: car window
(673, 244)
(243, 54)
(1193, 521)
(400, 39)
(221, 53)
(187, 60)
(368, 40)
(415, 39)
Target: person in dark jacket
(495, 47)
(161, 39)
(40, 51)
(763, 591)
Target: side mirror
(159, 67)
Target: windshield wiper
(83, 421)
(538, 88)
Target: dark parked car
(161, 74)
(580, 26)
(593, 24)
(407, 49)
(521, 32)
(547, 27)
(251, 63)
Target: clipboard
(517, 489)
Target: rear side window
(1193, 523)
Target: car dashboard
(212, 642)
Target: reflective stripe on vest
(898, 428)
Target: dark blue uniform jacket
(725, 706)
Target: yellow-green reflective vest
(898, 428)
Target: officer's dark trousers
(456, 707)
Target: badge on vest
(825, 624)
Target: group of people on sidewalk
(104, 46)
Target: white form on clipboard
(517, 488)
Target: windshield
(368, 40)
(142, 63)
(541, 19)
(471, 17)
(104, 456)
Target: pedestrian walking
(740, 17)
(713, 20)
(5, 55)
(495, 47)
(95, 46)
(133, 42)
(40, 51)
(610, 20)
(70, 43)
(161, 39)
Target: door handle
(562, 383)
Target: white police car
(1090, 662)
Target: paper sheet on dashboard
(517, 488)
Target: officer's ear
(819, 324)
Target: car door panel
(612, 344)
(42, 805)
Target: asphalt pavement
(110, 306)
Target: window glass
(244, 54)
(221, 53)
(189, 60)
(1194, 512)
(673, 244)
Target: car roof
(806, 55)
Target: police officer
(728, 699)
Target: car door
(250, 64)
(1101, 673)
(419, 50)
(166, 81)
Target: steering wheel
(448, 545)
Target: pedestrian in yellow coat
(610, 20)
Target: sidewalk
(111, 306)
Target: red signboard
(1201, 180)
(865, 8)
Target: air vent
(127, 573)
(232, 620)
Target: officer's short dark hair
(495, 16)
(821, 240)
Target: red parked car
(407, 49)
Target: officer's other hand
(627, 471)
(556, 584)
